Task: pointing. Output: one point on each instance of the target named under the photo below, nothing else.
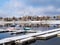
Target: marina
(26, 38)
(28, 32)
(29, 22)
(14, 34)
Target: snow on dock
(58, 35)
(2, 30)
(27, 40)
(22, 31)
(44, 34)
(47, 36)
(17, 31)
(32, 31)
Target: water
(53, 41)
(43, 28)
(6, 35)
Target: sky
(17, 8)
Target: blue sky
(9, 8)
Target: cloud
(49, 10)
(24, 7)
(43, 2)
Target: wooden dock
(26, 41)
(47, 36)
(22, 31)
(2, 31)
(5, 30)
(58, 35)
(28, 37)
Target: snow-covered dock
(47, 36)
(58, 35)
(44, 34)
(22, 31)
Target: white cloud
(18, 8)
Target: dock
(58, 35)
(28, 37)
(26, 41)
(2, 30)
(22, 31)
(5, 30)
(17, 31)
(47, 36)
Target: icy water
(4, 35)
(53, 41)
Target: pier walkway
(41, 34)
